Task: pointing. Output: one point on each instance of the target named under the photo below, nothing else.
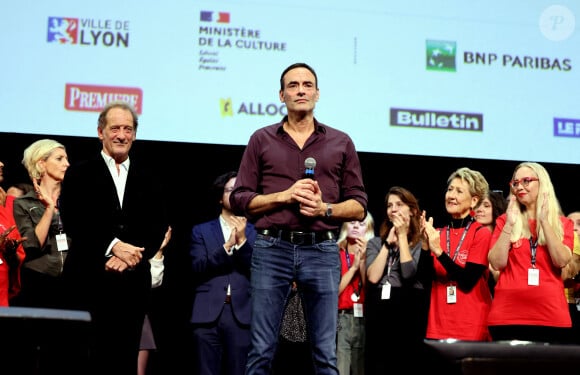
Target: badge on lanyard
(451, 294)
(358, 310)
(386, 291)
(61, 243)
(533, 276)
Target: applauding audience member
(38, 219)
(148, 343)
(531, 244)
(399, 281)
(460, 296)
(221, 251)
(350, 347)
(11, 250)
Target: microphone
(309, 165)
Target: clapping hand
(240, 223)
(433, 237)
(42, 195)
(8, 246)
(360, 252)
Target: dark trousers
(221, 347)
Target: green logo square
(441, 55)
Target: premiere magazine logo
(441, 55)
(88, 32)
(423, 118)
(227, 109)
(566, 127)
(93, 98)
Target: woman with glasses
(530, 245)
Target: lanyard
(533, 248)
(57, 213)
(393, 255)
(347, 258)
(460, 241)
(356, 289)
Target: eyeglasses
(524, 181)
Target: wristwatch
(328, 210)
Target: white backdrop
(496, 79)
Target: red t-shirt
(9, 279)
(467, 318)
(344, 299)
(517, 303)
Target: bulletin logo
(88, 32)
(422, 118)
(441, 55)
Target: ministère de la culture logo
(442, 56)
(88, 32)
(217, 34)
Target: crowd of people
(292, 256)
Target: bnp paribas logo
(441, 55)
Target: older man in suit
(114, 212)
(221, 251)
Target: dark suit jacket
(92, 216)
(214, 269)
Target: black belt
(345, 311)
(299, 238)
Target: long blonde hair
(521, 227)
(368, 221)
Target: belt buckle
(297, 238)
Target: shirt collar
(318, 127)
(111, 162)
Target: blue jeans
(316, 269)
